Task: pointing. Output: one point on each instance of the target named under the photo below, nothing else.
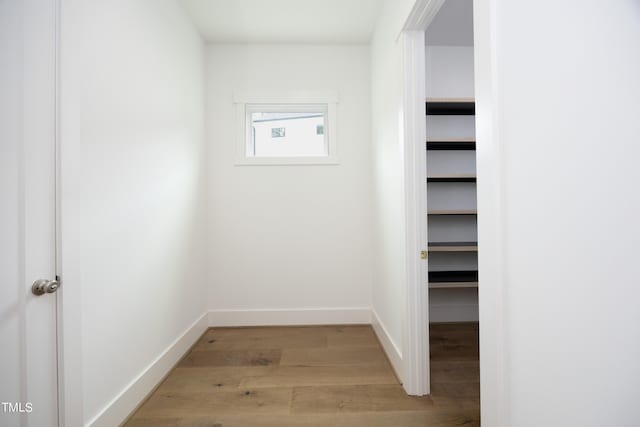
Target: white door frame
(489, 153)
(69, 217)
(494, 381)
(416, 330)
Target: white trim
(453, 313)
(282, 317)
(490, 166)
(286, 97)
(60, 370)
(287, 161)
(116, 411)
(389, 346)
(416, 342)
(69, 296)
(422, 14)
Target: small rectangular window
(286, 133)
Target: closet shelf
(453, 279)
(453, 285)
(453, 212)
(452, 178)
(457, 144)
(453, 246)
(450, 107)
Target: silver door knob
(43, 286)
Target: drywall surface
(564, 116)
(142, 192)
(390, 274)
(453, 25)
(449, 74)
(289, 239)
(284, 21)
(449, 71)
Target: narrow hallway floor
(313, 376)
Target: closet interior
(451, 165)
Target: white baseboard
(388, 345)
(286, 317)
(453, 313)
(116, 411)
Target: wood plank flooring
(313, 376)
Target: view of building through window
(288, 134)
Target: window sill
(288, 161)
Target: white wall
(140, 135)
(449, 71)
(389, 268)
(289, 244)
(559, 148)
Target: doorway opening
(452, 231)
(438, 46)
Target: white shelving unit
(451, 191)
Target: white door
(28, 353)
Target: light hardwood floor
(313, 376)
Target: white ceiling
(284, 21)
(453, 25)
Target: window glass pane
(288, 134)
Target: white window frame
(287, 102)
